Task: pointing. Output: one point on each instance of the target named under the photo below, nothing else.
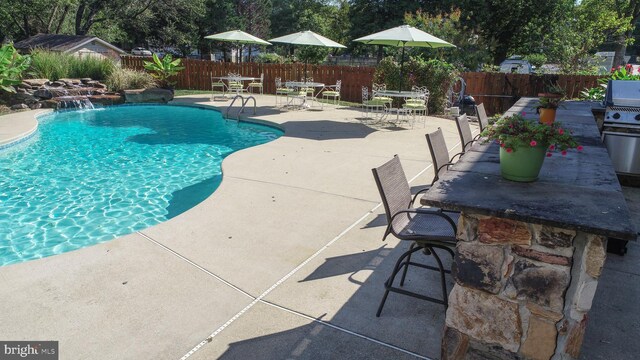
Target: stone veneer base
(522, 291)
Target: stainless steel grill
(621, 128)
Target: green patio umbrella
(404, 36)
(308, 38)
(239, 37)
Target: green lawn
(191, 92)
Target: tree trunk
(380, 54)
(79, 16)
(620, 48)
(64, 15)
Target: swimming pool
(89, 176)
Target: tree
(322, 17)
(470, 51)
(589, 25)
(21, 18)
(513, 24)
(628, 13)
(90, 12)
(256, 15)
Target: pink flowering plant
(515, 132)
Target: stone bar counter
(529, 255)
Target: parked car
(141, 52)
(516, 65)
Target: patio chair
(464, 130)
(281, 90)
(376, 106)
(418, 104)
(377, 88)
(217, 86)
(439, 158)
(439, 154)
(256, 85)
(235, 85)
(299, 96)
(427, 229)
(483, 119)
(332, 91)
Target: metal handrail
(244, 104)
(233, 101)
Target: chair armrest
(468, 142)
(415, 196)
(454, 156)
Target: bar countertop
(579, 191)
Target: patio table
(400, 94)
(236, 78)
(529, 255)
(305, 85)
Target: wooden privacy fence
(498, 91)
(198, 73)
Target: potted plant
(525, 144)
(549, 103)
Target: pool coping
(12, 132)
(16, 128)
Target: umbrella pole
(402, 69)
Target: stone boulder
(152, 95)
(20, 98)
(20, 107)
(107, 99)
(70, 81)
(36, 82)
(43, 94)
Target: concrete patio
(284, 260)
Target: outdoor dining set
(380, 104)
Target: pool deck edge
(16, 127)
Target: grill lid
(623, 93)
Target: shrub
(90, 67)
(49, 65)
(536, 60)
(268, 58)
(54, 65)
(163, 69)
(123, 79)
(437, 75)
(12, 65)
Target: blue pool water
(89, 176)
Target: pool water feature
(89, 176)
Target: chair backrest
(393, 187)
(278, 83)
(365, 94)
(338, 86)
(464, 130)
(439, 153)
(261, 77)
(483, 119)
(378, 87)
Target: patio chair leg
(443, 283)
(389, 283)
(404, 272)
